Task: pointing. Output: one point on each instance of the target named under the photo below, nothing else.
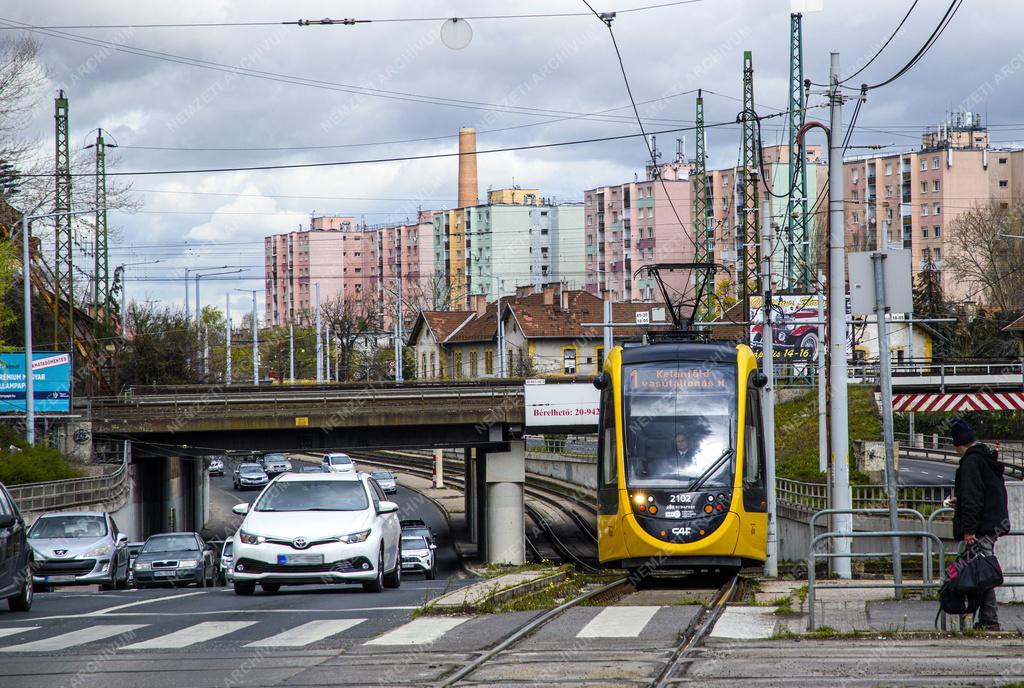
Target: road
(918, 472)
(82, 638)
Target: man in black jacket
(981, 513)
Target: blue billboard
(51, 375)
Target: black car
(175, 559)
(415, 526)
(15, 556)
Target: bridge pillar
(505, 474)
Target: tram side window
(608, 472)
(753, 460)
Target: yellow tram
(681, 472)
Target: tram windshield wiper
(706, 475)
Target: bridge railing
(63, 494)
(1012, 458)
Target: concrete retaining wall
(578, 470)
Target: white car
(338, 463)
(309, 528)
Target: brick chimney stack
(468, 192)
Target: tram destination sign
(698, 378)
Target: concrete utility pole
(227, 340)
(771, 564)
(291, 351)
(500, 328)
(822, 414)
(399, 370)
(885, 382)
(255, 343)
(319, 341)
(327, 354)
(841, 499)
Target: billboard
(562, 404)
(51, 376)
(795, 321)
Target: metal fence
(814, 496)
(64, 494)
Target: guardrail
(814, 496)
(63, 494)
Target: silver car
(386, 480)
(227, 569)
(275, 463)
(79, 548)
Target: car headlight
(188, 563)
(353, 538)
(143, 566)
(97, 551)
(250, 539)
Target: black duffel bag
(975, 573)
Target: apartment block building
(405, 253)
(516, 238)
(911, 199)
(335, 252)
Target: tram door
(755, 493)
(607, 473)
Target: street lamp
(188, 270)
(120, 271)
(199, 305)
(30, 403)
(255, 339)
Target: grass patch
(21, 464)
(551, 595)
(495, 570)
(784, 610)
(796, 433)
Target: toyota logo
(300, 543)
(60, 552)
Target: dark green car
(15, 556)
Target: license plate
(60, 579)
(164, 574)
(300, 559)
(408, 566)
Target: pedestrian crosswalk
(588, 623)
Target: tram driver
(685, 451)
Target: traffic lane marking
(746, 623)
(198, 633)
(233, 612)
(421, 631)
(4, 632)
(618, 622)
(307, 633)
(82, 636)
(152, 600)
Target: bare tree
(349, 321)
(982, 252)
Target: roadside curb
(498, 594)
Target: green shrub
(30, 465)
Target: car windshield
(340, 460)
(413, 542)
(250, 468)
(171, 543)
(133, 550)
(69, 527)
(679, 420)
(275, 457)
(314, 495)
(382, 475)
(416, 530)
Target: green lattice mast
(748, 239)
(101, 290)
(798, 263)
(704, 237)
(63, 267)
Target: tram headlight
(640, 498)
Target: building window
(433, 364)
(855, 175)
(924, 209)
(888, 189)
(924, 164)
(937, 231)
(1003, 183)
(936, 185)
(456, 364)
(937, 253)
(888, 214)
(856, 196)
(423, 364)
(488, 362)
(474, 364)
(590, 219)
(924, 232)
(569, 360)
(600, 359)
(938, 209)
(888, 169)
(855, 217)
(924, 187)
(935, 162)
(589, 199)
(1003, 161)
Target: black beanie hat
(963, 433)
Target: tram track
(579, 553)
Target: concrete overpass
(486, 420)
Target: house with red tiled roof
(550, 332)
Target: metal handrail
(813, 555)
(61, 494)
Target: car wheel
(122, 584)
(202, 578)
(112, 583)
(394, 579)
(270, 587)
(809, 342)
(22, 602)
(245, 588)
(432, 572)
(377, 584)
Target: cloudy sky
(173, 98)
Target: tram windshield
(679, 424)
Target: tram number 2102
(681, 498)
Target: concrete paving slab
(477, 593)
(661, 631)
(746, 623)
